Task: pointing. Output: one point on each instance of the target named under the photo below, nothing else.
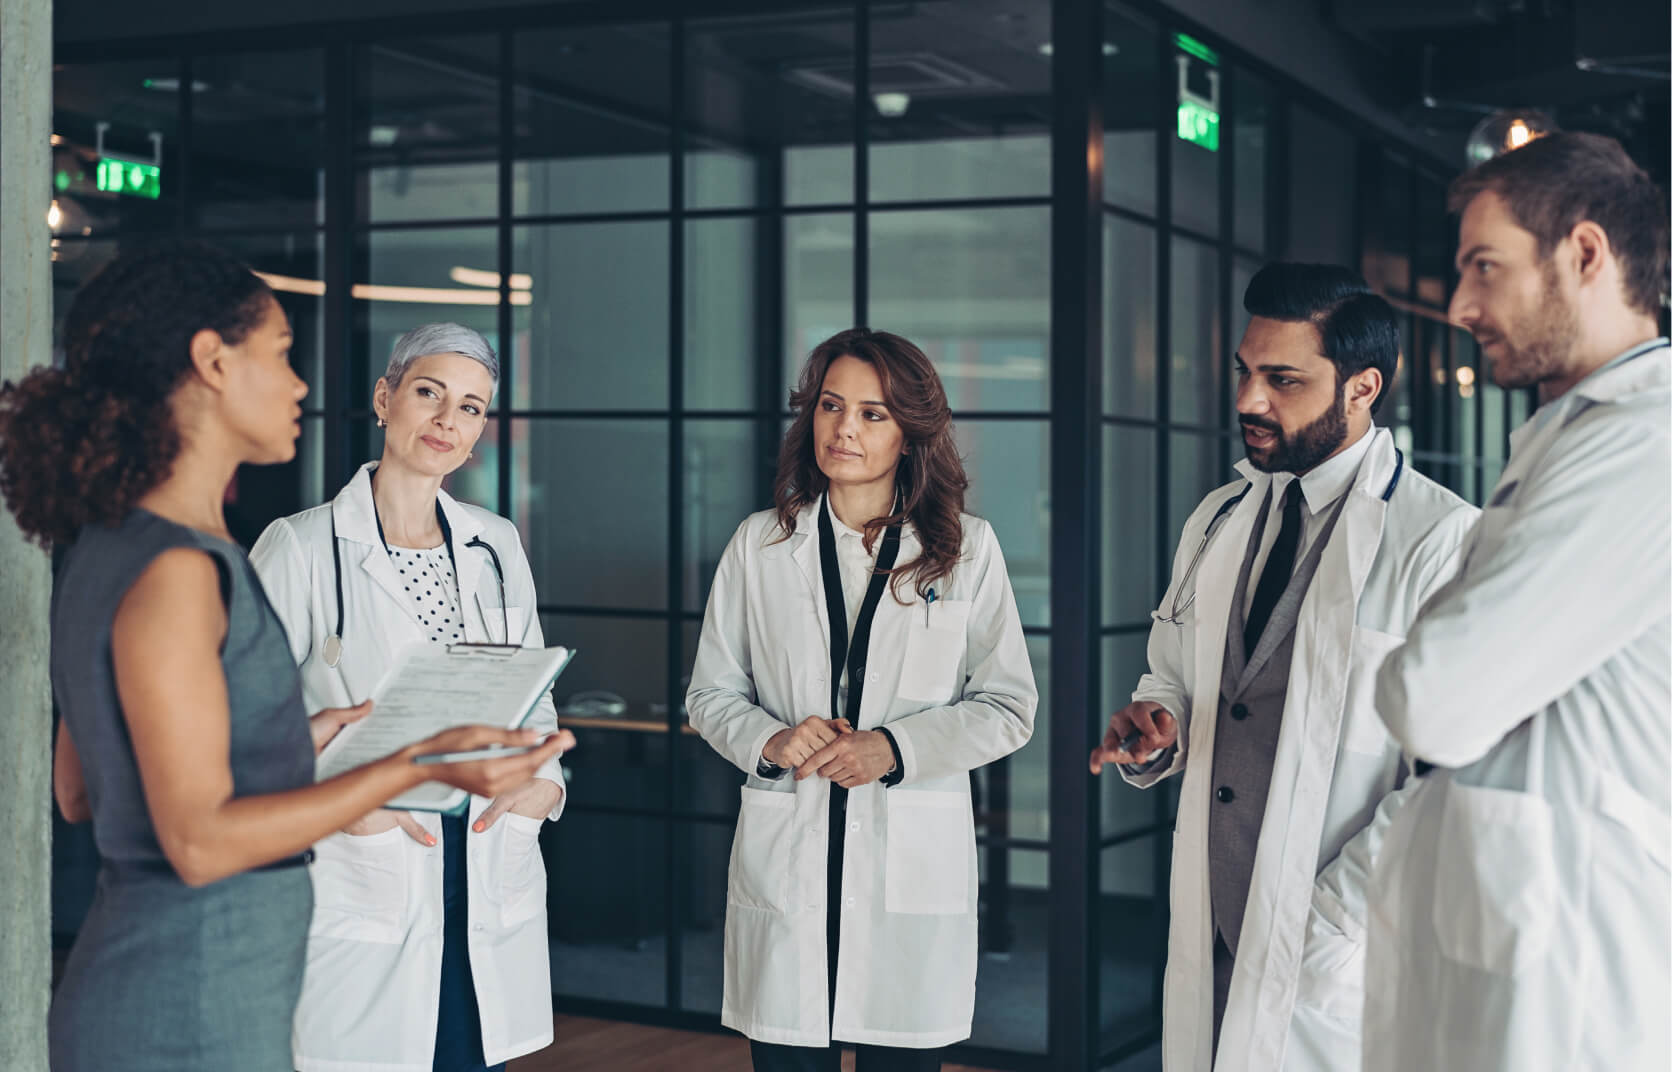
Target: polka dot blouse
(427, 576)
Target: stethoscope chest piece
(333, 650)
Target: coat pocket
(935, 643)
(1495, 884)
(760, 860)
(931, 842)
(360, 887)
(522, 869)
(1331, 980)
(1362, 730)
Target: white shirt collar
(1329, 480)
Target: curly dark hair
(930, 477)
(83, 443)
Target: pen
(496, 752)
(928, 598)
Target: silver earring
(381, 423)
(469, 456)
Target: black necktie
(1280, 565)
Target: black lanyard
(842, 653)
(446, 535)
(335, 639)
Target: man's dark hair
(1554, 183)
(1357, 329)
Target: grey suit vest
(1251, 691)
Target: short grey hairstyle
(426, 339)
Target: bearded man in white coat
(1289, 586)
(1521, 917)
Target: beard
(1308, 447)
(1539, 346)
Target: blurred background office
(654, 209)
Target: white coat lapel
(470, 563)
(1314, 709)
(1190, 933)
(355, 518)
(1215, 581)
(804, 551)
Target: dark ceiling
(1594, 65)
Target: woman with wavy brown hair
(184, 735)
(861, 636)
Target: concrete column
(25, 579)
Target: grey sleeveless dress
(165, 977)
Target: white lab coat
(953, 683)
(1296, 991)
(374, 947)
(1522, 910)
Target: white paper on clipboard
(429, 689)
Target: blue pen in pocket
(928, 598)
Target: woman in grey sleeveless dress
(212, 977)
(184, 737)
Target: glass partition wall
(654, 217)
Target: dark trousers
(770, 1057)
(458, 1028)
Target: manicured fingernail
(429, 839)
(479, 827)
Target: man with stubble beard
(1523, 910)
(1289, 586)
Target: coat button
(1239, 712)
(1225, 795)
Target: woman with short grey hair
(409, 905)
(427, 339)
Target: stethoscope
(1189, 579)
(334, 643)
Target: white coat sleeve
(994, 717)
(544, 717)
(1167, 682)
(286, 577)
(1341, 892)
(721, 700)
(1553, 601)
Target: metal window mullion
(1167, 95)
(506, 319)
(1227, 253)
(861, 162)
(339, 253)
(676, 859)
(1076, 500)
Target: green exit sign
(1199, 125)
(117, 176)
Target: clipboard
(428, 689)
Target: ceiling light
(892, 105)
(378, 292)
(1109, 49)
(1503, 132)
(476, 277)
